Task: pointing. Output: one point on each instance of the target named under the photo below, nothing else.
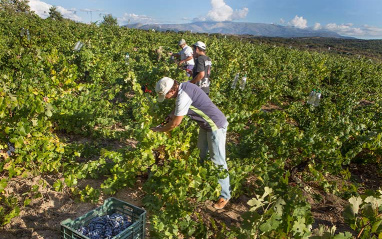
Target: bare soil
(41, 219)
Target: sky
(355, 18)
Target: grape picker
(192, 101)
(202, 69)
(186, 57)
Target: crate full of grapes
(115, 219)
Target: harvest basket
(111, 205)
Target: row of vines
(48, 90)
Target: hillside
(344, 47)
(239, 28)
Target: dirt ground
(41, 219)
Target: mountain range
(239, 28)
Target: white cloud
(134, 18)
(349, 29)
(42, 9)
(372, 31)
(222, 12)
(199, 19)
(282, 21)
(90, 10)
(345, 29)
(69, 13)
(240, 14)
(298, 22)
(317, 26)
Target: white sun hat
(200, 45)
(162, 87)
(182, 42)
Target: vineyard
(75, 121)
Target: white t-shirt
(185, 53)
(182, 103)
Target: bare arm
(174, 122)
(185, 60)
(198, 77)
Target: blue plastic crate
(111, 205)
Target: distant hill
(240, 28)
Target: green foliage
(8, 209)
(364, 215)
(81, 113)
(55, 14)
(324, 232)
(274, 215)
(20, 6)
(109, 20)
